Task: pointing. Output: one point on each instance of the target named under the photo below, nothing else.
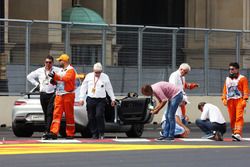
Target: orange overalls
(64, 101)
(235, 92)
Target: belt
(47, 93)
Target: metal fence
(131, 55)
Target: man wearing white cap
(65, 97)
(95, 86)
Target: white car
(129, 116)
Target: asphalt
(151, 131)
(126, 154)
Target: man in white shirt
(41, 80)
(178, 78)
(211, 122)
(95, 86)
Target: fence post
(104, 39)
(174, 41)
(67, 41)
(238, 37)
(27, 53)
(139, 62)
(206, 61)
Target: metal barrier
(132, 55)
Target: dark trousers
(95, 110)
(47, 103)
(208, 127)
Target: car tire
(85, 132)
(21, 131)
(135, 131)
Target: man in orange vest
(64, 100)
(235, 96)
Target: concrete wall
(6, 103)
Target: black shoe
(45, 136)
(218, 136)
(95, 137)
(170, 138)
(101, 136)
(69, 137)
(50, 136)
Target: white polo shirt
(100, 85)
(212, 113)
(40, 76)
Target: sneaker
(170, 138)
(208, 136)
(162, 138)
(236, 137)
(161, 133)
(45, 136)
(49, 136)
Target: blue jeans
(173, 104)
(204, 125)
(208, 127)
(178, 129)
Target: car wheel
(21, 131)
(135, 131)
(85, 132)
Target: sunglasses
(98, 72)
(48, 62)
(231, 69)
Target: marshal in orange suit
(64, 100)
(235, 96)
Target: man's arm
(224, 94)
(191, 85)
(32, 77)
(158, 107)
(179, 122)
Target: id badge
(93, 90)
(46, 82)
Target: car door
(134, 110)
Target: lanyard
(46, 76)
(95, 81)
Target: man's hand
(53, 82)
(186, 118)
(155, 111)
(52, 74)
(113, 103)
(192, 86)
(244, 103)
(81, 102)
(37, 89)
